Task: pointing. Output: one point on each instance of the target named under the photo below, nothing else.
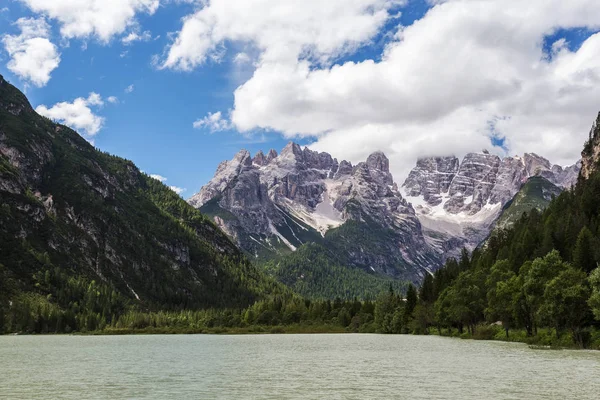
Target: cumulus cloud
(241, 58)
(130, 89)
(177, 189)
(320, 30)
(469, 70)
(162, 179)
(100, 18)
(112, 99)
(159, 178)
(214, 122)
(78, 114)
(33, 55)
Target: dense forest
(85, 235)
(314, 271)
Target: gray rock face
(272, 155)
(569, 175)
(226, 172)
(458, 203)
(278, 199)
(432, 177)
(511, 176)
(260, 159)
(475, 179)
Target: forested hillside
(85, 235)
(541, 273)
(315, 272)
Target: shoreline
(544, 341)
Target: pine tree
(411, 300)
(583, 254)
(427, 291)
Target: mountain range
(323, 227)
(459, 202)
(273, 204)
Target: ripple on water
(289, 367)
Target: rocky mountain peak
(260, 159)
(535, 165)
(243, 158)
(291, 149)
(227, 171)
(378, 161)
(344, 168)
(431, 177)
(272, 155)
(274, 203)
(591, 152)
(461, 200)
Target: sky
(177, 86)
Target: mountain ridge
(272, 205)
(458, 202)
(66, 208)
(444, 205)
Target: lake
(289, 367)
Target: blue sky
(152, 124)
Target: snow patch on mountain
(457, 203)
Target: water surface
(289, 367)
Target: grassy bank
(546, 338)
(248, 330)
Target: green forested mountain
(535, 194)
(85, 235)
(315, 272)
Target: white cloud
(100, 18)
(214, 122)
(33, 55)
(162, 179)
(112, 99)
(158, 177)
(78, 114)
(281, 29)
(4, 9)
(130, 88)
(436, 89)
(177, 190)
(241, 58)
(136, 37)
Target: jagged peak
(378, 161)
(259, 159)
(591, 151)
(481, 154)
(243, 157)
(291, 148)
(272, 155)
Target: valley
(294, 242)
